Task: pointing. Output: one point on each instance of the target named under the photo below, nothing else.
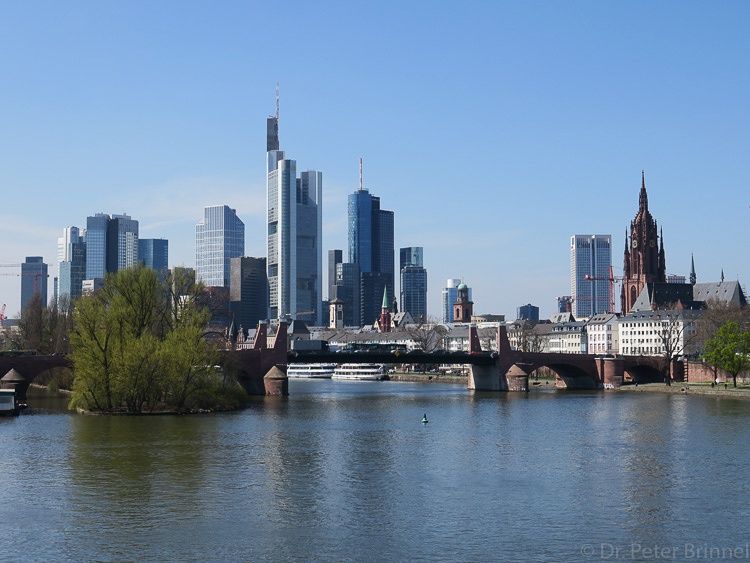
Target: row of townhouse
(640, 333)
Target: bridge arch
(572, 376)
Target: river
(346, 471)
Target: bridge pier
(517, 379)
(498, 377)
(611, 372)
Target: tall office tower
(71, 264)
(348, 289)
(527, 312)
(371, 248)
(154, 253)
(413, 282)
(590, 255)
(72, 272)
(295, 254)
(335, 257)
(450, 296)
(564, 304)
(111, 244)
(96, 246)
(248, 291)
(33, 280)
(70, 235)
(644, 253)
(219, 237)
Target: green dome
(463, 286)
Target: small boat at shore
(360, 372)
(311, 371)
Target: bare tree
(675, 333)
(426, 334)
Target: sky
(494, 130)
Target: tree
(137, 345)
(674, 331)
(729, 350)
(426, 334)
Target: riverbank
(429, 378)
(687, 389)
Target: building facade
(219, 237)
(154, 253)
(111, 244)
(371, 247)
(413, 282)
(527, 312)
(590, 264)
(248, 291)
(644, 260)
(33, 280)
(294, 231)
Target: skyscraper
(33, 280)
(590, 255)
(71, 264)
(111, 244)
(219, 237)
(154, 253)
(371, 247)
(413, 282)
(349, 290)
(248, 291)
(335, 257)
(295, 222)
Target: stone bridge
(17, 372)
(512, 368)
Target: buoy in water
(424, 419)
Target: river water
(346, 471)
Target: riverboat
(310, 371)
(8, 405)
(360, 372)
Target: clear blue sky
(493, 130)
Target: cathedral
(644, 253)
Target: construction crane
(612, 280)
(36, 276)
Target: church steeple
(643, 199)
(693, 277)
(644, 252)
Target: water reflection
(347, 471)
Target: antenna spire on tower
(360, 173)
(277, 100)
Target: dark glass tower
(371, 248)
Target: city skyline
(103, 113)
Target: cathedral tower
(644, 253)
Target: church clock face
(651, 243)
(635, 243)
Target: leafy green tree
(139, 345)
(729, 350)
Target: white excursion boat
(314, 371)
(361, 372)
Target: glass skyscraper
(33, 280)
(295, 224)
(590, 255)
(154, 253)
(111, 244)
(371, 247)
(413, 282)
(219, 237)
